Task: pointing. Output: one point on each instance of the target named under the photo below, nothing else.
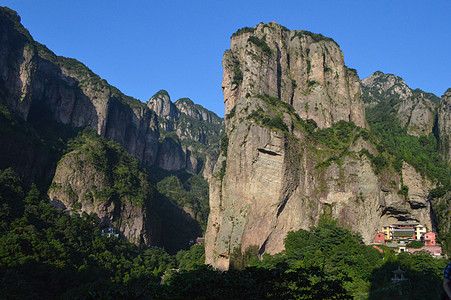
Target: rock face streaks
(301, 68)
(271, 176)
(444, 126)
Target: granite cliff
(297, 147)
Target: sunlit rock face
(444, 126)
(273, 175)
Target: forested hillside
(103, 196)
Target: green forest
(46, 253)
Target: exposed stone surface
(274, 177)
(415, 109)
(79, 186)
(303, 69)
(40, 86)
(162, 105)
(190, 134)
(444, 126)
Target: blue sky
(144, 46)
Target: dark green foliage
(256, 283)
(224, 145)
(237, 73)
(424, 274)
(378, 162)
(11, 195)
(340, 253)
(421, 152)
(317, 37)
(351, 70)
(231, 114)
(438, 192)
(38, 144)
(242, 30)
(415, 244)
(272, 117)
(337, 137)
(188, 260)
(128, 181)
(189, 191)
(261, 44)
(275, 122)
(160, 93)
(47, 254)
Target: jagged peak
(379, 78)
(188, 107)
(185, 100)
(160, 93)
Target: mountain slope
(46, 100)
(414, 109)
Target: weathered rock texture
(39, 86)
(79, 185)
(303, 69)
(277, 173)
(190, 134)
(100, 177)
(415, 109)
(444, 126)
(41, 90)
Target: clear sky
(144, 46)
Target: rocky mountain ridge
(39, 86)
(415, 109)
(196, 129)
(46, 100)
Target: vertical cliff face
(190, 134)
(277, 170)
(40, 86)
(45, 100)
(414, 109)
(444, 126)
(303, 69)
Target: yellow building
(404, 230)
(388, 230)
(419, 231)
